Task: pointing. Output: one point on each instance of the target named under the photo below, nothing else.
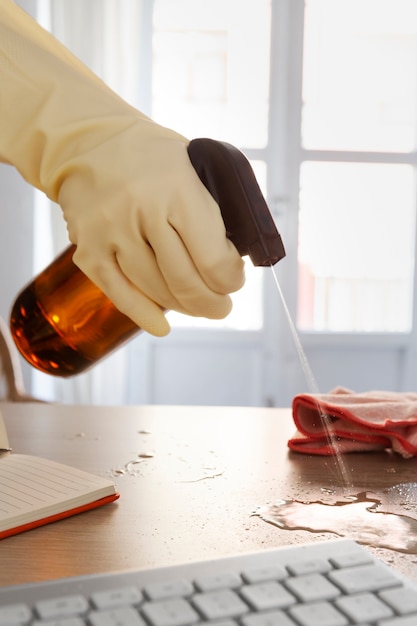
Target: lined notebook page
(30, 484)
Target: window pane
(356, 247)
(210, 78)
(360, 69)
(211, 68)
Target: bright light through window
(356, 247)
(357, 211)
(211, 79)
(211, 68)
(360, 64)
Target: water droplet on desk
(118, 471)
(213, 473)
(130, 468)
(76, 436)
(358, 517)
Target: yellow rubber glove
(147, 232)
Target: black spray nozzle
(228, 176)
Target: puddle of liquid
(313, 388)
(359, 517)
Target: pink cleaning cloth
(345, 421)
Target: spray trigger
(228, 176)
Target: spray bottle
(63, 324)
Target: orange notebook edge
(58, 516)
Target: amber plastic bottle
(63, 324)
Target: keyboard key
(220, 604)
(364, 607)
(64, 621)
(225, 580)
(318, 614)
(312, 566)
(126, 596)
(364, 578)
(402, 599)
(170, 612)
(312, 587)
(270, 618)
(15, 614)
(410, 620)
(65, 606)
(351, 559)
(265, 596)
(165, 590)
(127, 616)
(261, 574)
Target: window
(357, 180)
(321, 97)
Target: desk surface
(199, 475)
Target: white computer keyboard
(335, 583)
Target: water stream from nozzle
(332, 439)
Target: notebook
(36, 491)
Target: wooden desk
(202, 473)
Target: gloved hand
(147, 232)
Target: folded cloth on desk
(356, 422)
